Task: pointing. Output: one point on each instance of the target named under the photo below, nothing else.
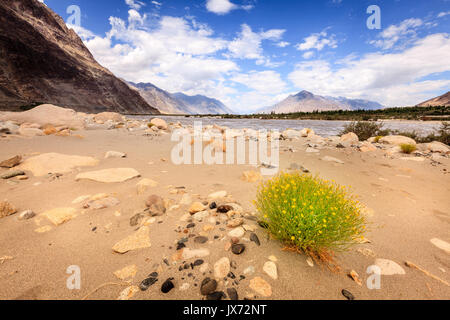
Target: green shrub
(150, 125)
(377, 139)
(309, 214)
(364, 130)
(408, 148)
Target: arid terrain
(78, 221)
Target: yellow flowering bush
(310, 214)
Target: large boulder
(397, 140)
(349, 139)
(55, 163)
(306, 132)
(46, 114)
(437, 146)
(159, 123)
(108, 116)
(9, 127)
(291, 134)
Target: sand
(408, 203)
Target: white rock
(222, 268)
(199, 216)
(441, 244)
(436, 146)
(271, 269)
(397, 140)
(237, 232)
(249, 270)
(194, 253)
(389, 267)
(349, 138)
(115, 154)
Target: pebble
(249, 270)
(348, 294)
(222, 268)
(441, 244)
(208, 286)
(271, 269)
(185, 286)
(255, 239)
(389, 267)
(224, 208)
(213, 205)
(128, 293)
(27, 214)
(233, 223)
(260, 286)
(215, 296)
(167, 286)
(196, 207)
(12, 162)
(12, 174)
(237, 248)
(199, 216)
(232, 294)
(200, 239)
(156, 205)
(237, 232)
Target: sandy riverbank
(407, 203)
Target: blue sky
(254, 53)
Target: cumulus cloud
(222, 7)
(134, 4)
(394, 79)
(318, 41)
(397, 33)
(262, 81)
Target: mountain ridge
(443, 100)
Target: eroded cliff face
(43, 61)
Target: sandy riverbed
(409, 204)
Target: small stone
(27, 214)
(354, 275)
(127, 272)
(233, 223)
(12, 174)
(6, 209)
(60, 215)
(441, 244)
(237, 232)
(389, 267)
(271, 269)
(196, 207)
(167, 286)
(199, 216)
(255, 239)
(147, 283)
(249, 270)
(215, 296)
(200, 239)
(232, 294)
(156, 205)
(12, 162)
(185, 286)
(128, 293)
(208, 286)
(348, 294)
(238, 248)
(188, 254)
(310, 262)
(213, 205)
(139, 240)
(261, 287)
(115, 154)
(224, 208)
(198, 262)
(222, 268)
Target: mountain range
(443, 100)
(179, 103)
(306, 101)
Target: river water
(321, 127)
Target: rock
(367, 147)
(59, 216)
(196, 207)
(251, 176)
(156, 205)
(221, 268)
(81, 199)
(12, 162)
(138, 240)
(305, 132)
(261, 287)
(249, 270)
(27, 214)
(331, 159)
(232, 294)
(215, 296)
(12, 174)
(441, 244)
(234, 223)
(208, 286)
(6, 209)
(185, 200)
(291, 134)
(347, 294)
(200, 239)
(213, 205)
(167, 286)
(109, 175)
(137, 219)
(115, 154)
(147, 283)
(46, 163)
(187, 254)
(237, 232)
(9, 127)
(102, 203)
(43, 229)
(237, 248)
(389, 267)
(126, 272)
(436, 146)
(143, 185)
(397, 140)
(217, 195)
(108, 116)
(273, 258)
(199, 216)
(128, 293)
(159, 123)
(224, 208)
(271, 269)
(354, 275)
(49, 130)
(255, 239)
(310, 262)
(349, 139)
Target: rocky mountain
(179, 103)
(305, 101)
(43, 61)
(443, 100)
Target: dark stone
(213, 205)
(237, 248)
(208, 286)
(231, 275)
(166, 262)
(136, 219)
(348, 294)
(200, 239)
(262, 224)
(180, 246)
(340, 146)
(232, 293)
(167, 286)
(155, 205)
(255, 239)
(224, 208)
(146, 283)
(153, 275)
(215, 296)
(198, 262)
(190, 225)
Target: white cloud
(282, 44)
(308, 54)
(443, 14)
(222, 7)
(318, 41)
(262, 81)
(134, 4)
(406, 30)
(248, 44)
(394, 79)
